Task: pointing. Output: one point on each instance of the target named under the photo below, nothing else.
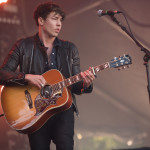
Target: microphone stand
(147, 52)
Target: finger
(39, 86)
(82, 75)
(37, 83)
(87, 82)
(88, 78)
(89, 75)
(42, 80)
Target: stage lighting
(79, 136)
(3, 1)
(129, 142)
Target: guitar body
(27, 119)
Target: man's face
(52, 25)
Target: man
(38, 54)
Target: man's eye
(55, 18)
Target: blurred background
(116, 115)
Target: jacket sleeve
(8, 75)
(78, 87)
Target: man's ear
(40, 21)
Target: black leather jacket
(30, 56)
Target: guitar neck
(100, 68)
(76, 78)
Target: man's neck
(47, 40)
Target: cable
(133, 20)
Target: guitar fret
(66, 82)
(69, 81)
(101, 67)
(73, 80)
(97, 70)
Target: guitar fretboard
(76, 78)
(101, 67)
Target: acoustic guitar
(26, 108)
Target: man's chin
(55, 35)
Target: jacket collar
(57, 41)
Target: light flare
(3, 1)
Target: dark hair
(44, 9)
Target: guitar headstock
(120, 62)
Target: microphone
(107, 12)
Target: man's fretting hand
(88, 78)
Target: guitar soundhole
(46, 91)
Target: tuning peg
(115, 58)
(119, 58)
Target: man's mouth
(57, 30)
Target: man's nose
(58, 22)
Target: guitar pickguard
(41, 103)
